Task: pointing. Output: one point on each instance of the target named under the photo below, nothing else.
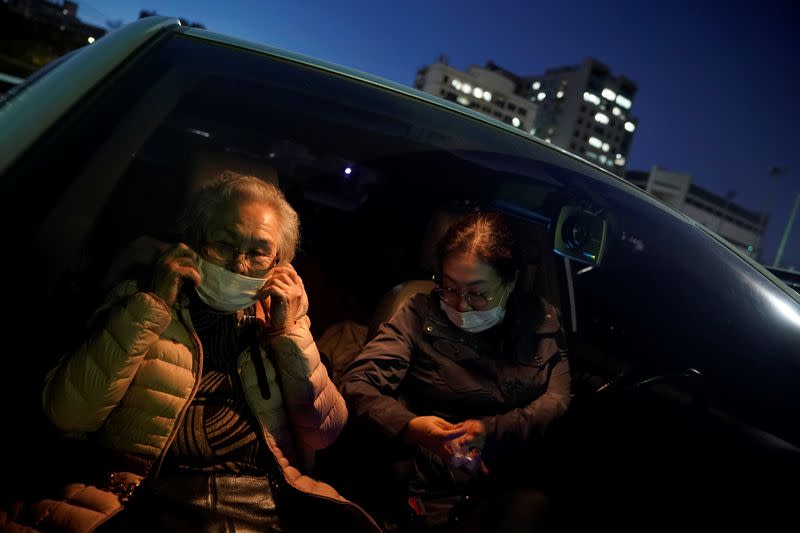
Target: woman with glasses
(202, 389)
(464, 381)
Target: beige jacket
(129, 385)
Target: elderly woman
(468, 378)
(204, 390)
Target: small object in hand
(461, 458)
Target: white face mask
(225, 290)
(475, 321)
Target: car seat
(398, 295)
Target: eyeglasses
(223, 251)
(476, 300)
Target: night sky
(719, 81)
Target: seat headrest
(393, 300)
(438, 225)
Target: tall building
(586, 110)
(740, 226)
(488, 90)
(583, 109)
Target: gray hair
(230, 186)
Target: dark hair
(488, 237)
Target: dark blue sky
(719, 81)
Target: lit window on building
(606, 147)
(536, 85)
(616, 111)
(516, 122)
(624, 102)
(560, 94)
(608, 94)
(456, 84)
(630, 126)
(463, 100)
(466, 88)
(592, 98)
(591, 154)
(487, 96)
(620, 160)
(594, 141)
(601, 118)
(541, 96)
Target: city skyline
(715, 92)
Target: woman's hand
(434, 434)
(283, 297)
(474, 435)
(177, 264)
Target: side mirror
(580, 234)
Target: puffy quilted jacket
(130, 383)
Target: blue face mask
(475, 321)
(225, 290)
